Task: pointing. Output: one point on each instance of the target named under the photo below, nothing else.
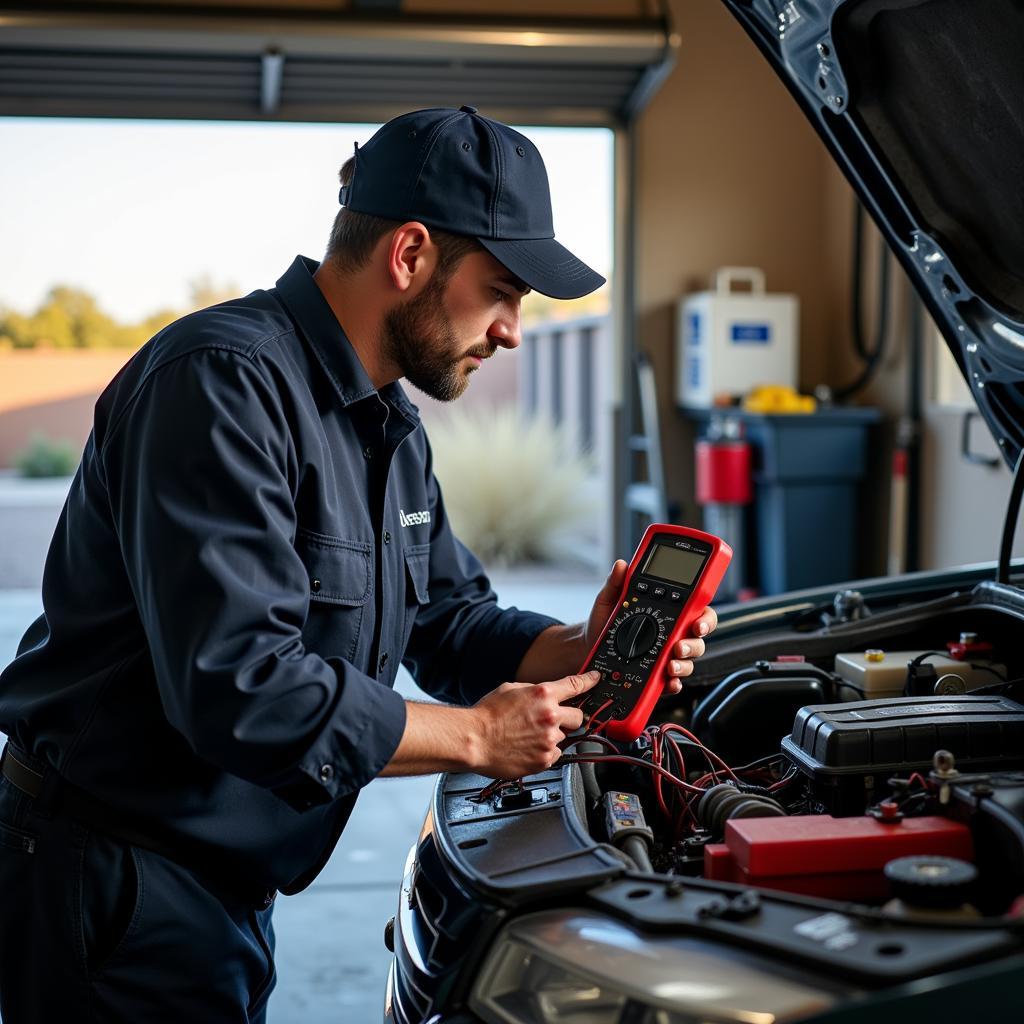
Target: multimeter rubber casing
(670, 581)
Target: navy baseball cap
(459, 171)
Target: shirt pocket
(340, 575)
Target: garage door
(358, 64)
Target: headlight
(579, 967)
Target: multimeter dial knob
(636, 635)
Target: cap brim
(545, 265)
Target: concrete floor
(332, 963)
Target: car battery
(834, 858)
(731, 341)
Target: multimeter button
(616, 676)
(659, 591)
(675, 596)
(642, 587)
(635, 636)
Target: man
(253, 543)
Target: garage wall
(962, 503)
(729, 172)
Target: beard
(419, 338)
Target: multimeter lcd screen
(674, 564)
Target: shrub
(509, 485)
(43, 457)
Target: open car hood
(921, 102)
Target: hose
(588, 772)
(637, 849)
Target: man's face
(440, 337)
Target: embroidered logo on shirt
(413, 518)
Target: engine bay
(891, 777)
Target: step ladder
(645, 500)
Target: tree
(90, 326)
(53, 326)
(71, 318)
(15, 330)
(204, 292)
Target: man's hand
(521, 725)
(680, 662)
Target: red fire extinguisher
(724, 489)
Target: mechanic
(252, 545)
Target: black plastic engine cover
(849, 750)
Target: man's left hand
(680, 663)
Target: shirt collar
(317, 323)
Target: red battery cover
(629, 728)
(822, 844)
(818, 855)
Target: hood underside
(921, 102)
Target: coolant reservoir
(884, 673)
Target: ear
(411, 257)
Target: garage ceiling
(365, 61)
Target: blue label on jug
(693, 372)
(693, 329)
(757, 334)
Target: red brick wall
(52, 393)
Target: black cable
(760, 762)
(998, 689)
(857, 288)
(927, 654)
(1010, 522)
(871, 354)
(910, 431)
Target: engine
(902, 788)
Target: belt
(30, 774)
(20, 773)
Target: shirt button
(315, 585)
(383, 661)
(387, 537)
(326, 773)
(367, 452)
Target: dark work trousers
(93, 929)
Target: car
(828, 822)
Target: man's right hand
(513, 731)
(520, 725)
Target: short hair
(355, 235)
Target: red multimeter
(670, 581)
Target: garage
(808, 347)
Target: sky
(132, 211)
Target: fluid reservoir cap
(873, 654)
(949, 685)
(933, 882)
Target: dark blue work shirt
(252, 544)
